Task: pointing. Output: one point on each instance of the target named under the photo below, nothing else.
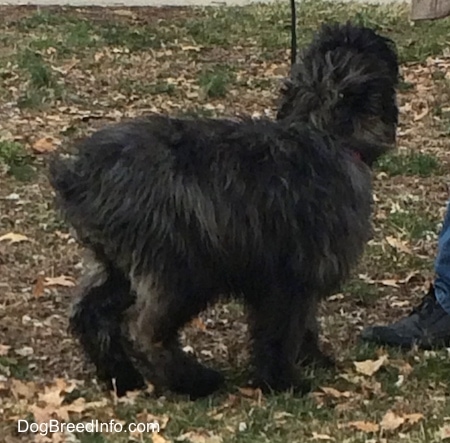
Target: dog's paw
(199, 383)
(277, 380)
(318, 359)
(298, 386)
(126, 380)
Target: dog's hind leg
(160, 315)
(278, 322)
(96, 322)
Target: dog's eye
(341, 95)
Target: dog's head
(345, 82)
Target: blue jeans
(442, 265)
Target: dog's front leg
(310, 352)
(278, 322)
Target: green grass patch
(412, 223)
(43, 86)
(412, 163)
(12, 367)
(131, 86)
(216, 81)
(17, 160)
(362, 293)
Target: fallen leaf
(65, 386)
(389, 282)
(41, 415)
(256, 394)
(129, 398)
(317, 436)
(45, 144)
(191, 48)
(421, 115)
(398, 244)
(4, 349)
(52, 396)
(281, 414)
(200, 437)
(39, 287)
(26, 351)
(332, 392)
(413, 418)
(14, 238)
(21, 389)
(444, 433)
(198, 323)
(364, 426)
(391, 421)
(124, 13)
(62, 280)
(370, 367)
(158, 438)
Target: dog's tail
(345, 83)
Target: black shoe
(428, 326)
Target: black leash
(293, 33)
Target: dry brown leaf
(191, 48)
(444, 432)
(251, 393)
(317, 436)
(62, 280)
(65, 386)
(364, 426)
(398, 244)
(39, 287)
(52, 396)
(158, 438)
(389, 282)
(129, 398)
(12, 237)
(45, 144)
(41, 415)
(332, 392)
(4, 349)
(124, 13)
(391, 421)
(200, 437)
(21, 389)
(370, 367)
(198, 323)
(413, 418)
(421, 115)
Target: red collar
(356, 155)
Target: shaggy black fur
(178, 212)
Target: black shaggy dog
(178, 212)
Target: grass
(216, 81)
(413, 224)
(72, 71)
(410, 164)
(43, 86)
(17, 160)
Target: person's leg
(442, 265)
(428, 325)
